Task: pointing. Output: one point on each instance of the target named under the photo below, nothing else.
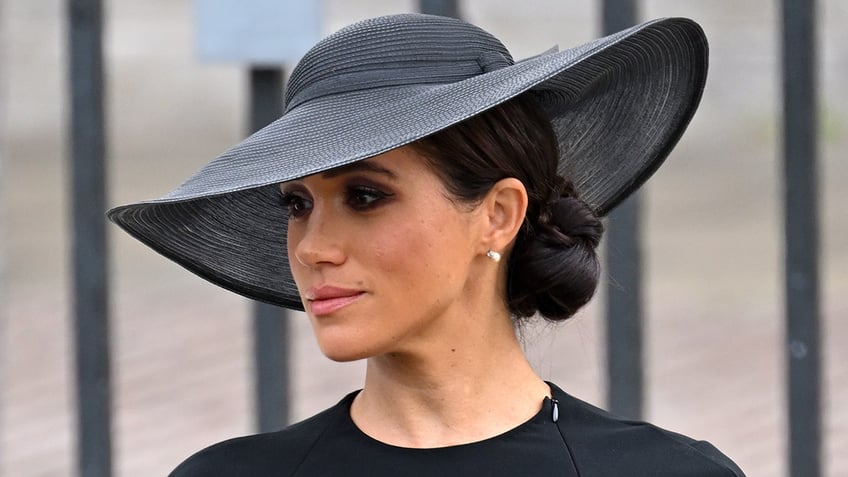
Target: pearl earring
(495, 256)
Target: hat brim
(618, 106)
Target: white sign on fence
(264, 32)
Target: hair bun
(574, 219)
(555, 268)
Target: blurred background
(182, 369)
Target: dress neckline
(543, 417)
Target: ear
(505, 206)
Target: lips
(328, 299)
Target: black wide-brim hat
(618, 105)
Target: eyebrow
(360, 166)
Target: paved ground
(182, 368)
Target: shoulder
(273, 453)
(604, 444)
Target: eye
(298, 205)
(364, 197)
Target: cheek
(393, 251)
(419, 257)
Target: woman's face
(383, 259)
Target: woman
(422, 196)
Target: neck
(451, 394)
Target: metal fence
(624, 307)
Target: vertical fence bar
(88, 242)
(270, 323)
(624, 269)
(445, 8)
(802, 237)
(3, 230)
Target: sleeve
(603, 444)
(730, 469)
(275, 453)
(263, 454)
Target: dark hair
(553, 267)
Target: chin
(344, 356)
(343, 351)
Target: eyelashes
(297, 205)
(363, 198)
(358, 198)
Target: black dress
(584, 441)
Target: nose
(316, 241)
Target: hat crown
(395, 50)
